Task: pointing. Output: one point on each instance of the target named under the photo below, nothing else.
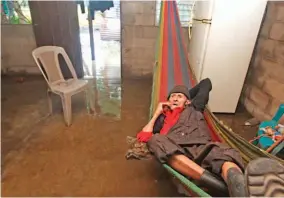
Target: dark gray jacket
(191, 128)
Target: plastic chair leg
(89, 98)
(49, 100)
(67, 109)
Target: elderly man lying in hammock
(178, 132)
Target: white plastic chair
(48, 57)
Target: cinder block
(277, 31)
(138, 31)
(245, 93)
(274, 88)
(271, 10)
(139, 53)
(143, 63)
(126, 53)
(269, 18)
(266, 27)
(249, 74)
(256, 61)
(137, 68)
(127, 43)
(145, 43)
(127, 19)
(147, 72)
(129, 72)
(260, 114)
(249, 105)
(139, 43)
(273, 69)
(132, 31)
(131, 7)
(126, 31)
(149, 7)
(268, 47)
(260, 43)
(17, 44)
(150, 32)
(258, 78)
(279, 11)
(142, 19)
(247, 90)
(279, 53)
(260, 98)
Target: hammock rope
(171, 68)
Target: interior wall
(17, 43)
(139, 36)
(264, 87)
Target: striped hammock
(172, 68)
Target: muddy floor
(43, 157)
(46, 158)
(237, 122)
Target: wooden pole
(91, 31)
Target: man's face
(178, 100)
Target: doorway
(100, 38)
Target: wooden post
(91, 31)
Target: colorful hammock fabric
(172, 68)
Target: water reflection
(105, 71)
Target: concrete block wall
(139, 36)
(264, 85)
(17, 43)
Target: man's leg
(264, 177)
(186, 166)
(227, 162)
(168, 152)
(234, 178)
(189, 168)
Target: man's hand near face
(147, 130)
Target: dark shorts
(163, 148)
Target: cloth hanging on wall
(99, 6)
(82, 5)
